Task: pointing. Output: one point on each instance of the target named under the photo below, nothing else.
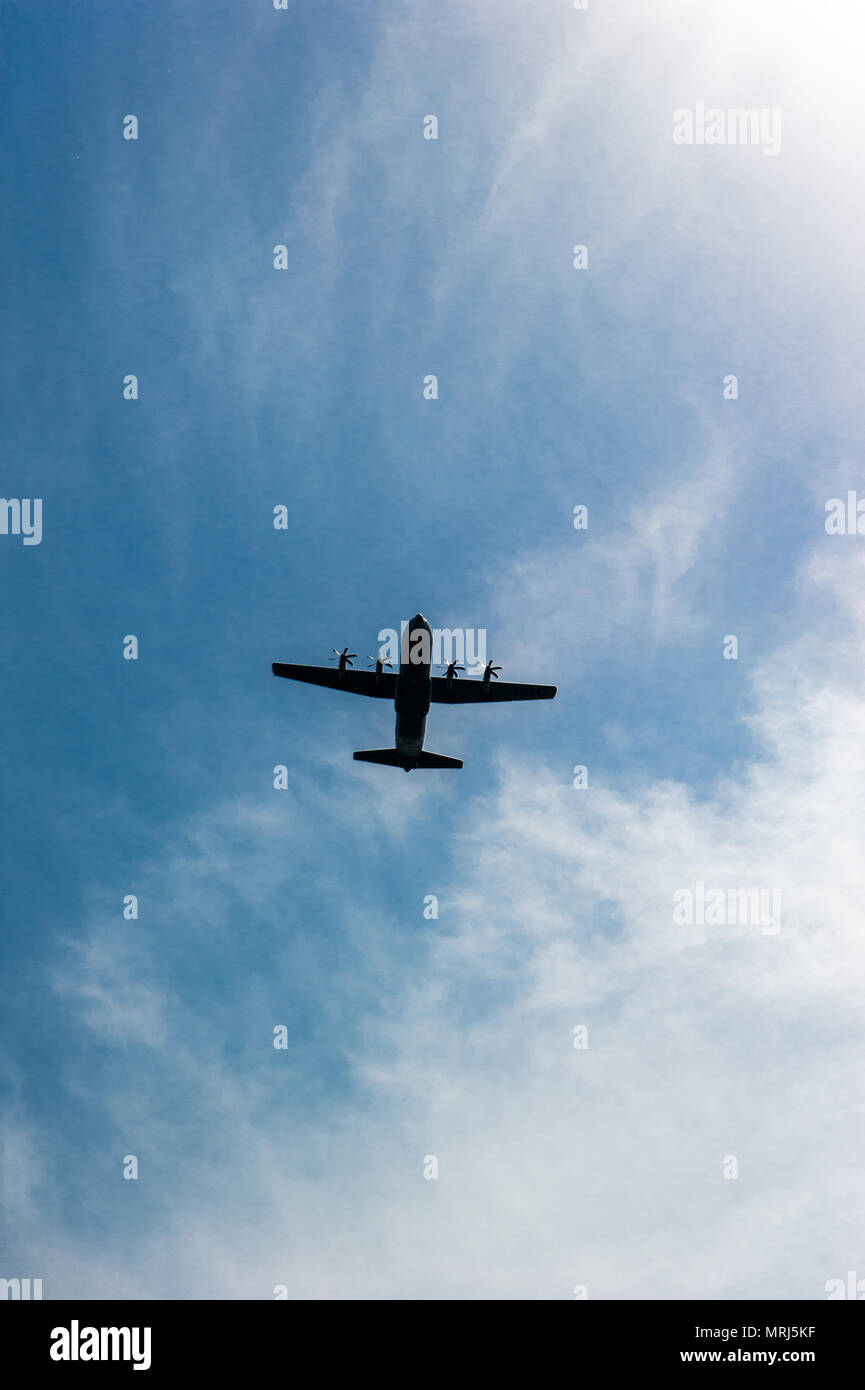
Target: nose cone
(419, 620)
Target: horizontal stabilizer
(437, 760)
(389, 756)
(392, 758)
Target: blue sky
(303, 387)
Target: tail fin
(391, 758)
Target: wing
(381, 686)
(468, 692)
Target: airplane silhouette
(413, 689)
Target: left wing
(380, 684)
(469, 692)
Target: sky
(706, 1141)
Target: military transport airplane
(412, 690)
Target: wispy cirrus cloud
(558, 1166)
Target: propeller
(491, 670)
(452, 669)
(378, 662)
(345, 657)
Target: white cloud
(589, 592)
(557, 1166)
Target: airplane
(413, 689)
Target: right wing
(381, 685)
(469, 692)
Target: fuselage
(413, 688)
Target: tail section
(390, 757)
